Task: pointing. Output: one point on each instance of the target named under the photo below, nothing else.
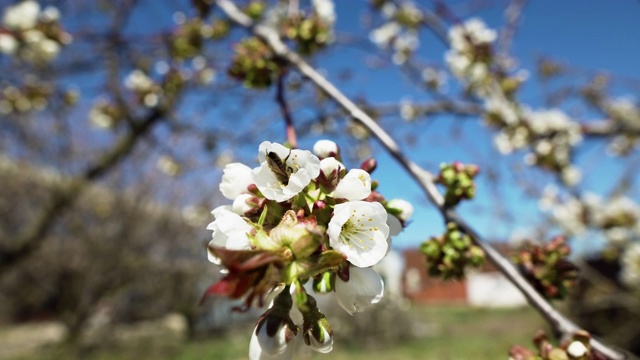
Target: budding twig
(423, 177)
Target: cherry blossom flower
(359, 230)
(363, 289)
(235, 180)
(283, 173)
(229, 231)
(356, 185)
(21, 16)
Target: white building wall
(492, 289)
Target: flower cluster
(626, 116)
(618, 217)
(471, 52)
(32, 95)
(577, 347)
(549, 134)
(448, 255)
(457, 178)
(31, 33)
(400, 30)
(254, 63)
(311, 32)
(547, 268)
(300, 223)
(146, 90)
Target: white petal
(235, 180)
(302, 165)
(356, 185)
(359, 230)
(240, 205)
(405, 207)
(256, 352)
(324, 347)
(229, 231)
(325, 148)
(364, 288)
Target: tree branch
(421, 176)
(34, 233)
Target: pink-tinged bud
(458, 166)
(472, 170)
(320, 205)
(253, 188)
(369, 165)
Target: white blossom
(236, 178)
(138, 81)
(299, 167)
(22, 15)
(269, 351)
(325, 9)
(356, 185)
(359, 230)
(325, 148)
(630, 263)
(240, 205)
(229, 231)
(364, 289)
(405, 207)
(8, 44)
(577, 350)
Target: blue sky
(589, 35)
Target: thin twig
(421, 176)
(284, 109)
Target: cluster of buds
(549, 134)
(578, 348)
(625, 114)
(31, 33)
(33, 95)
(300, 223)
(188, 38)
(448, 255)
(254, 63)
(310, 33)
(105, 114)
(400, 32)
(457, 178)
(617, 217)
(547, 268)
(147, 91)
(471, 52)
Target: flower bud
(319, 335)
(241, 205)
(405, 208)
(324, 283)
(369, 165)
(326, 148)
(330, 172)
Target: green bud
(324, 283)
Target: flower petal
(364, 288)
(235, 180)
(359, 230)
(356, 185)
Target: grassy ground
(447, 333)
